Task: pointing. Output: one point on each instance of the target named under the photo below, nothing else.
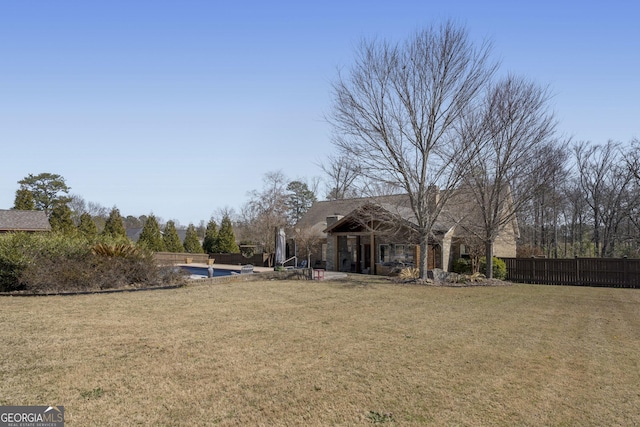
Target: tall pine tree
(48, 190)
(114, 226)
(211, 238)
(171, 239)
(191, 241)
(226, 238)
(24, 200)
(60, 219)
(299, 200)
(87, 227)
(151, 237)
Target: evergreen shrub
(462, 266)
(499, 267)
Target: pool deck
(225, 267)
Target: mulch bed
(447, 284)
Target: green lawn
(330, 353)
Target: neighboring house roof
(133, 233)
(17, 220)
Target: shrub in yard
(124, 264)
(28, 259)
(55, 262)
(461, 266)
(499, 267)
(54, 274)
(13, 260)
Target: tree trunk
(489, 257)
(423, 262)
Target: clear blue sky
(179, 107)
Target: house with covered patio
(376, 235)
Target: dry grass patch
(343, 353)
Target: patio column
(373, 254)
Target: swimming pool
(204, 271)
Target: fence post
(625, 272)
(533, 270)
(577, 267)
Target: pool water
(204, 271)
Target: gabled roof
(460, 208)
(397, 205)
(17, 220)
(378, 216)
(316, 217)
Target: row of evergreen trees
(215, 241)
(152, 237)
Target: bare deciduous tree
(397, 110)
(607, 184)
(511, 132)
(632, 158)
(341, 176)
(265, 210)
(575, 218)
(308, 241)
(80, 206)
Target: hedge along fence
(608, 272)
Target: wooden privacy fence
(609, 272)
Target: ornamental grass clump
(117, 250)
(409, 273)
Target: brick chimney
(332, 219)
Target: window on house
(353, 249)
(409, 252)
(384, 254)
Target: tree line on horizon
(71, 214)
(590, 208)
